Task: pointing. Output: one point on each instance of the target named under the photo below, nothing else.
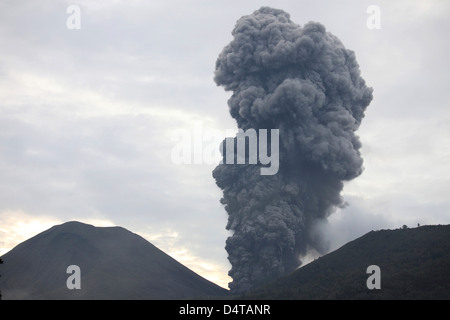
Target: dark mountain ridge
(114, 262)
(118, 264)
(414, 264)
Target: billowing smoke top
(302, 81)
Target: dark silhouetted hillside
(414, 263)
(115, 264)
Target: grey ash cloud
(304, 82)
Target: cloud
(302, 81)
(185, 252)
(17, 226)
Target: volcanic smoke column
(304, 82)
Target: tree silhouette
(1, 261)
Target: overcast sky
(87, 118)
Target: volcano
(114, 264)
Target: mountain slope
(414, 264)
(115, 264)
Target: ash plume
(304, 82)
